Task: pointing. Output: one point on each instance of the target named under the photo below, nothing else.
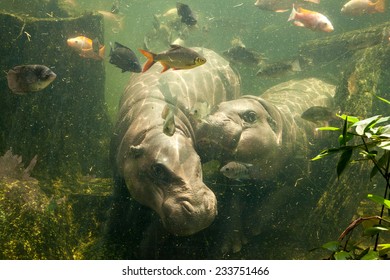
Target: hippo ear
(136, 151)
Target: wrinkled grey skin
(164, 172)
(268, 133)
(265, 131)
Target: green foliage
(363, 140)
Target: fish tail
(150, 56)
(101, 52)
(295, 66)
(293, 14)
(380, 6)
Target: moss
(61, 225)
(31, 229)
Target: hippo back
(211, 83)
(294, 97)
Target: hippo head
(164, 173)
(246, 130)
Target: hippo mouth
(210, 149)
(217, 138)
(184, 216)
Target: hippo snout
(217, 135)
(188, 214)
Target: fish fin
(298, 23)
(281, 10)
(149, 63)
(102, 51)
(165, 67)
(293, 14)
(380, 6)
(175, 46)
(111, 50)
(295, 66)
(313, 1)
(304, 11)
(165, 111)
(118, 45)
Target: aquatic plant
(11, 166)
(370, 139)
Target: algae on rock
(66, 124)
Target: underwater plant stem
(386, 175)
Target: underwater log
(345, 44)
(66, 124)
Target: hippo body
(265, 131)
(160, 171)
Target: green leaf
(344, 139)
(350, 119)
(381, 99)
(383, 249)
(369, 155)
(384, 131)
(332, 246)
(342, 255)
(371, 255)
(371, 231)
(380, 200)
(362, 126)
(328, 128)
(327, 152)
(382, 161)
(345, 158)
(384, 145)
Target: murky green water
(219, 23)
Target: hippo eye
(249, 116)
(160, 172)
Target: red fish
(311, 20)
(361, 7)
(86, 47)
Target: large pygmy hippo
(263, 132)
(163, 172)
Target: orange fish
(361, 7)
(87, 48)
(310, 19)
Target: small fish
(279, 6)
(311, 20)
(124, 58)
(177, 57)
(28, 78)
(169, 126)
(279, 69)
(187, 16)
(242, 55)
(86, 47)
(237, 170)
(318, 114)
(361, 7)
(115, 6)
(200, 110)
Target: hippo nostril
(187, 207)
